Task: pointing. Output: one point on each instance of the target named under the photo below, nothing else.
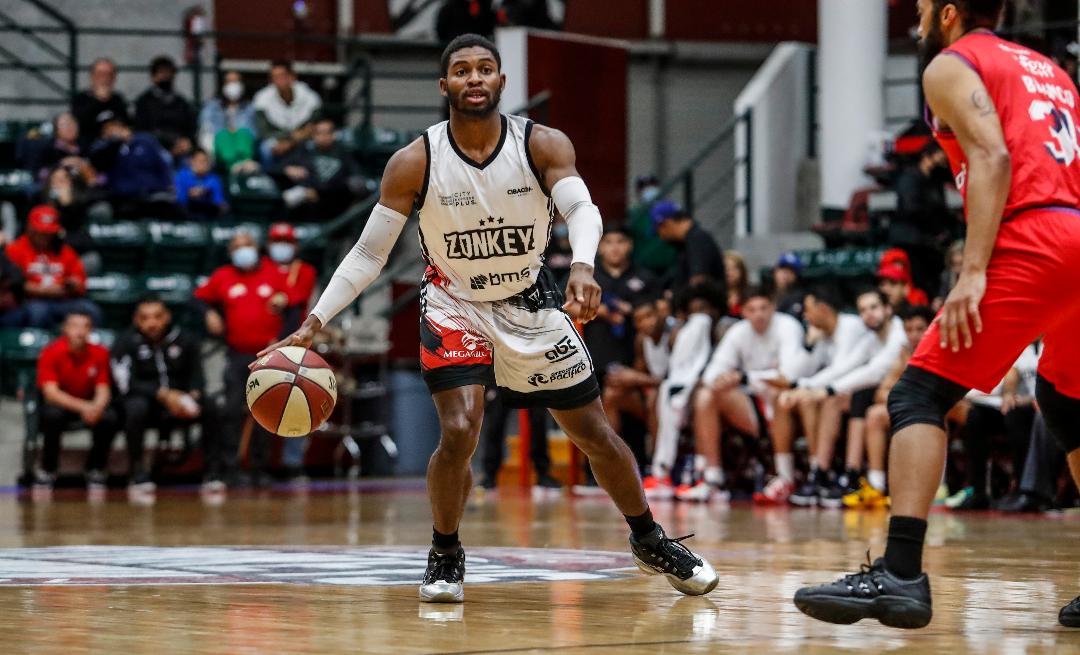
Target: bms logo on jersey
(564, 349)
(485, 280)
(489, 242)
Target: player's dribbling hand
(302, 338)
(582, 293)
(959, 320)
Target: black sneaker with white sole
(656, 554)
(808, 493)
(872, 593)
(445, 577)
(1069, 616)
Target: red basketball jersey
(1036, 102)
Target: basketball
(291, 391)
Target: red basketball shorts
(1032, 290)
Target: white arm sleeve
(583, 220)
(363, 263)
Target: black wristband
(830, 391)
(743, 379)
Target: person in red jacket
(73, 376)
(55, 278)
(298, 278)
(244, 301)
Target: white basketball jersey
(484, 226)
(657, 354)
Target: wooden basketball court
(335, 569)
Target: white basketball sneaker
(444, 578)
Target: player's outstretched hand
(959, 320)
(302, 337)
(582, 293)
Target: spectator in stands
(55, 278)
(298, 281)
(100, 103)
(954, 259)
(73, 377)
(1038, 486)
(700, 258)
(198, 189)
(528, 13)
(457, 17)
(762, 346)
(11, 290)
(157, 370)
(71, 199)
(65, 149)
(698, 309)
(496, 414)
(864, 367)
(872, 490)
(227, 124)
(894, 280)
(610, 338)
(833, 337)
(923, 219)
(1007, 410)
(323, 178)
(737, 281)
(138, 171)
(243, 302)
(631, 390)
(788, 293)
(164, 113)
(646, 188)
(559, 255)
(284, 110)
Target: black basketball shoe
(872, 593)
(1069, 616)
(656, 554)
(444, 578)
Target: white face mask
(282, 252)
(650, 193)
(245, 257)
(233, 91)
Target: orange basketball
(291, 391)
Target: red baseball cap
(894, 270)
(282, 232)
(45, 218)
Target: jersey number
(1063, 130)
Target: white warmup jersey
(483, 225)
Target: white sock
(714, 475)
(700, 463)
(659, 472)
(785, 466)
(876, 479)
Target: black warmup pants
(52, 423)
(221, 444)
(141, 413)
(983, 424)
(494, 437)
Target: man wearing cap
(894, 280)
(787, 292)
(298, 283)
(55, 278)
(700, 257)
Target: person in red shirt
(73, 376)
(243, 301)
(1006, 117)
(298, 278)
(55, 279)
(894, 280)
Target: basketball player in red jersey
(1007, 118)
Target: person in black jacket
(163, 112)
(98, 104)
(157, 370)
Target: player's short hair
(160, 63)
(469, 41)
(708, 292)
(918, 311)
(827, 295)
(80, 312)
(872, 290)
(282, 63)
(644, 300)
(757, 291)
(149, 298)
(976, 13)
(618, 228)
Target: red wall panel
(631, 21)
(588, 102)
(275, 17)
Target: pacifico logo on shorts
(536, 379)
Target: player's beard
(460, 105)
(931, 45)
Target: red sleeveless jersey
(1036, 102)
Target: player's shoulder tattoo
(980, 99)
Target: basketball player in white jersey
(485, 187)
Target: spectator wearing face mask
(298, 281)
(243, 302)
(227, 124)
(163, 112)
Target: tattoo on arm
(981, 100)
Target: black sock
(903, 550)
(642, 524)
(444, 542)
